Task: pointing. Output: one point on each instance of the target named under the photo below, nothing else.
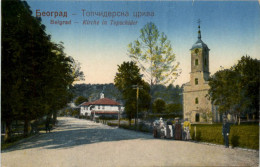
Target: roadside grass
(18, 136)
(244, 135)
(13, 141)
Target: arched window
(197, 117)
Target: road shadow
(71, 135)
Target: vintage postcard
(130, 83)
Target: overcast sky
(230, 29)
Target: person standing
(225, 131)
(169, 129)
(162, 128)
(187, 128)
(178, 132)
(47, 125)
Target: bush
(246, 136)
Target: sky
(231, 29)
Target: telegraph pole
(137, 87)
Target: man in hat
(225, 131)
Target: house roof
(103, 101)
(85, 104)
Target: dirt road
(82, 143)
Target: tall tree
(154, 55)
(236, 91)
(128, 75)
(249, 71)
(36, 73)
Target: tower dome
(199, 43)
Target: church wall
(190, 106)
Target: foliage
(79, 100)
(249, 73)
(154, 55)
(235, 91)
(159, 106)
(206, 114)
(128, 75)
(36, 73)
(93, 91)
(174, 109)
(246, 136)
(170, 93)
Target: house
(101, 107)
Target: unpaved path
(82, 143)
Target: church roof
(199, 43)
(103, 101)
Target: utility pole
(137, 87)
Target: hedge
(246, 136)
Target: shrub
(240, 135)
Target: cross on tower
(199, 34)
(199, 22)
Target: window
(196, 62)
(196, 51)
(196, 81)
(103, 107)
(205, 62)
(98, 107)
(196, 100)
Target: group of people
(181, 131)
(176, 131)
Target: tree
(175, 109)
(154, 55)
(128, 75)
(36, 73)
(159, 106)
(235, 90)
(79, 100)
(206, 114)
(248, 69)
(224, 90)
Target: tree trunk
(129, 121)
(26, 127)
(239, 119)
(8, 133)
(54, 115)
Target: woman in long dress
(187, 127)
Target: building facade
(196, 105)
(101, 107)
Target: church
(197, 107)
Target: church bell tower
(195, 101)
(199, 61)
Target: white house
(102, 106)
